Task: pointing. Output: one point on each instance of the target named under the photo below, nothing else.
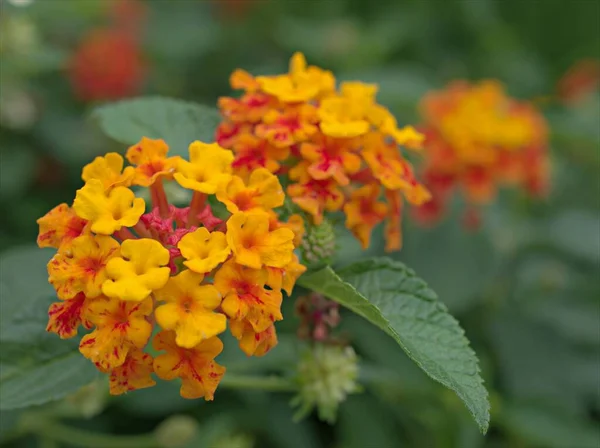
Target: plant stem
(196, 206)
(52, 430)
(159, 198)
(269, 383)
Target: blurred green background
(525, 286)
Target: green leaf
(35, 367)
(177, 122)
(548, 426)
(389, 295)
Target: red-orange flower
(66, 316)
(251, 342)
(200, 374)
(364, 212)
(121, 327)
(59, 227)
(134, 373)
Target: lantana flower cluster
(338, 147)
(477, 139)
(167, 277)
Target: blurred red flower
(579, 81)
(107, 65)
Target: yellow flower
(138, 271)
(203, 250)
(59, 227)
(254, 245)
(83, 267)
(107, 211)
(209, 168)
(189, 309)
(200, 374)
(343, 118)
(245, 296)
(262, 192)
(121, 327)
(108, 170)
(409, 137)
(150, 158)
(301, 84)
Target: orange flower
(253, 152)
(324, 135)
(331, 158)
(251, 342)
(284, 129)
(254, 245)
(478, 139)
(385, 161)
(245, 296)
(121, 327)
(263, 191)
(393, 225)
(250, 107)
(363, 212)
(59, 227)
(285, 278)
(66, 316)
(134, 373)
(83, 268)
(242, 80)
(296, 223)
(316, 196)
(200, 374)
(151, 163)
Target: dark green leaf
(35, 367)
(177, 122)
(389, 295)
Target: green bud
(176, 431)
(326, 375)
(88, 401)
(318, 245)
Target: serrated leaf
(389, 295)
(177, 122)
(35, 367)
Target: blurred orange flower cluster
(120, 270)
(338, 146)
(478, 138)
